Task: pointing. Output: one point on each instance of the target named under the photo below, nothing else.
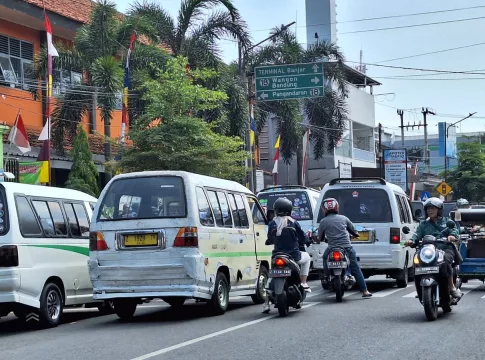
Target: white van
(304, 199)
(379, 210)
(176, 235)
(44, 239)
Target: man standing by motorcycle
(338, 228)
(287, 236)
(434, 225)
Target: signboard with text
(344, 170)
(395, 167)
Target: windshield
(144, 198)
(362, 205)
(302, 207)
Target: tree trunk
(299, 162)
(107, 150)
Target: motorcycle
(339, 276)
(433, 288)
(284, 287)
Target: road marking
(411, 295)
(386, 292)
(346, 294)
(469, 288)
(210, 336)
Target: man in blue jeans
(337, 228)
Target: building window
(63, 79)
(16, 62)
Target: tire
(403, 276)
(429, 303)
(260, 295)
(282, 304)
(220, 299)
(106, 307)
(51, 306)
(125, 308)
(337, 285)
(175, 301)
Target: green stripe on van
(235, 254)
(72, 248)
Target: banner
(29, 172)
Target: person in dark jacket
(287, 236)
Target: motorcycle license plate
(427, 270)
(337, 264)
(279, 273)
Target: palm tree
(327, 112)
(97, 53)
(196, 38)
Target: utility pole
(426, 156)
(401, 115)
(250, 96)
(418, 126)
(381, 155)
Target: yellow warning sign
(443, 188)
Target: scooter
(284, 287)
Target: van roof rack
(358, 179)
(287, 187)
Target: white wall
(361, 107)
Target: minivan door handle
(257, 234)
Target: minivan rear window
(361, 205)
(302, 207)
(153, 197)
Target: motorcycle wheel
(282, 304)
(429, 303)
(337, 285)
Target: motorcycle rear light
(336, 256)
(279, 262)
(395, 235)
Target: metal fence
(12, 166)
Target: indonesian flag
(18, 136)
(46, 131)
(276, 155)
(48, 28)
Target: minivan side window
(44, 216)
(205, 213)
(27, 221)
(58, 218)
(215, 207)
(82, 219)
(258, 215)
(226, 212)
(243, 215)
(401, 210)
(72, 220)
(235, 213)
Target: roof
(357, 181)
(198, 179)
(355, 77)
(286, 188)
(47, 191)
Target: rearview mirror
(406, 230)
(450, 224)
(418, 213)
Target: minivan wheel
(125, 308)
(220, 299)
(51, 306)
(260, 295)
(403, 276)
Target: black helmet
(283, 207)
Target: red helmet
(330, 205)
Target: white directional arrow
(315, 67)
(315, 80)
(32, 316)
(263, 96)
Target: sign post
(291, 81)
(395, 167)
(425, 195)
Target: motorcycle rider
(287, 236)
(462, 204)
(336, 228)
(434, 225)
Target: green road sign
(291, 81)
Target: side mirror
(418, 213)
(450, 224)
(406, 230)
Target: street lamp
(446, 137)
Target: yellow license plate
(363, 236)
(141, 240)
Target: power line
(444, 79)
(418, 69)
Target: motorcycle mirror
(406, 230)
(450, 224)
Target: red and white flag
(18, 136)
(48, 28)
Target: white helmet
(434, 202)
(462, 203)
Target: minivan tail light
(97, 242)
(395, 236)
(187, 237)
(9, 256)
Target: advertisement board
(395, 167)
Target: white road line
(210, 336)
(411, 295)
(346, 294)
(469, 288)
(386, 292)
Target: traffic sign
(425, 195)
(444, 189)
(290, 81)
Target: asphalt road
(391, 325)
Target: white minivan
(379, 210)
(44, 239)
(176, 235)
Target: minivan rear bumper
(148, 281)
(9, 285)
(394, 260)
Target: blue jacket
(290, 241)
